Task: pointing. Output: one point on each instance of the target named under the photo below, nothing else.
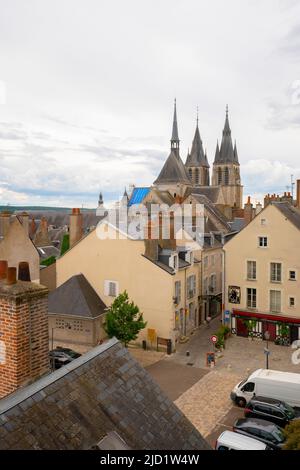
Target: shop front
(282, 330)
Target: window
(178, 291)
(249, 387)
(213, 283)
(251, 270)
(263, 222)
(251, 298)
(262, 242)
(219, 176)
(191, 286)
(226, 176)
(292, 302)
(111, 288)
(275, 273)
(197, 176)
(191, 174)
(292, 276)
(275, 300)
(205, 286)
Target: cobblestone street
(203, 393)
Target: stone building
(76, 315)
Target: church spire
(175, 139)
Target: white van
(284, 386)
(229, 440)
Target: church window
(219, 176)
(226, 176)
(191, 173)
(197, 178)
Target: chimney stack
(76, 226)
(24, 272)
(5, 222)
(3, 269)
(258, 208)
(25, 221)
(41, 237)
(298, 194)
(248, 211)
(24, 340)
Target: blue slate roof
(138, 196)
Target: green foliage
(221, 334)
(124, 320)
(292, 433)
(251, 325)
(48, 261)
(65, 244)
(283, 329)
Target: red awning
(265, 316)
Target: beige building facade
(167, 292)
(262, 275)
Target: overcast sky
(87, 90)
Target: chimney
(41, 237)
(258, 208)
(24, 271)
(76, 227)
(24, 340)
(298, 194)
(248, 211)
(25, 221)
(32, 228)
(3, 269)
(5, 222)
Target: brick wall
(24, 348)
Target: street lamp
(266, 350)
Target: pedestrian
(208, 320)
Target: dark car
(68, 351)
(262, 430)
(270, 409)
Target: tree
(48, 261)
(65, 244)
(124, 319)
(292, 433)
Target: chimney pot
(24, 272)
(3, 269)
(11, 276)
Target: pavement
(175, 379)
(203, 393)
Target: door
(294, 332)
(241, 328)
(271, 328)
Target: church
(179, 181)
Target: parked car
(262, 430)
(270, 409)
(283, 386)
(68, 351)
(229, 440)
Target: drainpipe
(185, 300)
(223, 285)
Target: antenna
(292, 185)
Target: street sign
(214, 339)
(267, 351)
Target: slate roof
(289, 211)
(76, 297)
(173, 171)
(227, 153)
(202, 199)
(211, 192)
(237, 224)
(197, 157)
(104, 391)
